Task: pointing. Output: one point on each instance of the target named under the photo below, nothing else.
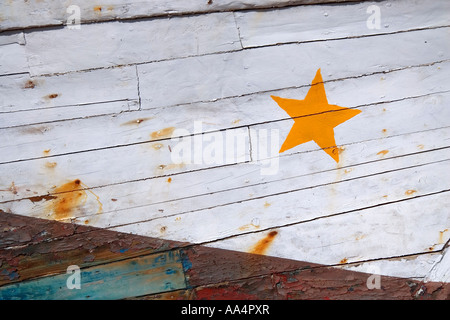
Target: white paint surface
(69, 110)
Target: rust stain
(13, 188)
(68, 197)
(441, 236)
(41, 198)
(113, 199)
(171, 166)
(266, 204)
(263, 245)
(157, 146)
(163, 229)
(420, 146)
(46, 152)
(169, 180)
(100, 205)
(97, 198)
(50, 165)
(236, 121)
(382, 153)
(248, 226)
(136, 122)
(29, 85)
(52, 96)
(348, 170)
(343, 261)
(360, 236)
(34, 130)
(384, 130)
(410, 192)
(163, 133)
(98, 9)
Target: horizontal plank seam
(68, 106)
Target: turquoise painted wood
(129, 278)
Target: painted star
(314, 119)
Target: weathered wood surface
(53, 13)
(241, 275)
(87, 132)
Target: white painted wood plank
(45, 115)
(12, 59)
(218, 76)
(175, 195)
(122, 43)
(22, 92)
(222, 114)
(401, 228)
(307, 23)
(16, 14)
(103, 167)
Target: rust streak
(29, 85)
(136, 122)
(441, 236)
(382, 153)
(100, 205)
(50, 165)
(52, 96)
(410, 192)
(263, 245)
(163, 133)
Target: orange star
(314, 119)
